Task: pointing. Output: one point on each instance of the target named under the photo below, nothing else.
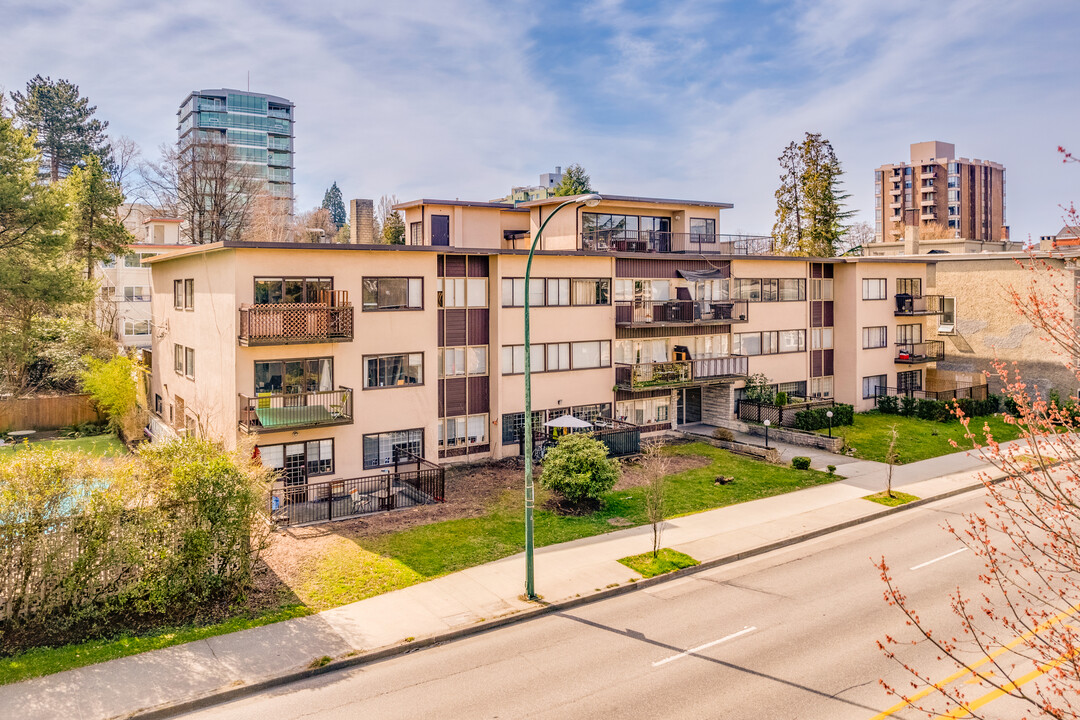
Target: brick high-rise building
(937, 191)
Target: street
(788, 635)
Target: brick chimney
(362, 222)
(911, 240)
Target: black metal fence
(750, 411)
(656, 241)
(413, 481)
(679, 312)
(621, 438)
(973, 392)
(920, 352)
(283, 411)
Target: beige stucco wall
(564, 229)
(989, 325)
(470, 227)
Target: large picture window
(462, 361)
(294, 376)
(393, 293)
(379, 448)
(393, 370)
(874, 385)
(463, 431)
(462, 292)
(873, 289)
(316, 457)
(274, 291)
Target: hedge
(938, 410)
(816, 419)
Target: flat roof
(628, 198)
(161, 219)
(458, 203)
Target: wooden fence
(46, 412)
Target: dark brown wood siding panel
(478, 266)
(454, 331)
(815, 270)
(816, 363)
(828, 362)
(453, 396)
(478, 395)
(650, 268)
(828, 270)
(626, 333)
(827, 315)
(631, 395)
(478, 326)
(454, 266)
(817, 313)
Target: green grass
(95, 445)
(898, 498)
(46, 661)
(916, 439)
(667, 560)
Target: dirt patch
(632, 476)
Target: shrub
(908, 405)
(112, 386)
(722, 433)
(831, 469)
(781, 399)
(888, 404)
(800, 463)
(928, 409)
(758, 388)
(816, 418)
(579, 469)
(1010, 406)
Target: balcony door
(295, 470)
(294, 378)
(440, 229)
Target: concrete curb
(385, 653)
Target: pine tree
(333, 202)
(64, 123)
(94, 220)
(575, 181)
(809, 202)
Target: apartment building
(332, 358)
(962, 200)
(545, 189)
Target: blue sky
(432, 98)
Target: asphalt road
(788, 635)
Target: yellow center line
(971, 668)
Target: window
(189, 362)
(702, 230)
(908, 381)
(416, 233)
(189, 294)
(394, 370)
(769, 342)
(948, 316)
(594, 354)
(770, 291)
(558, 356)
(158, 405)
(873, 289)
(746, 289)
(746, 343)
(591, 413)
(513, 292)
(821, 289)
(909, 286)
(380, 448)
(462, 361)
(274, 291)
(178, 358)
(513, 359)
(591, 292)
(907, 334)
(461, 292)
(649, 411)
(291, 377)
(792, 341)
(315, 456)
(136, 293)
(514, 425)
(792, 289)
(184, 360)
(821, 387)
(463, 431)
(393, 293)
(178, 294)
(874, 386)
(558, 291)
(874, 337)
(109, 262)
(136, 327)
(132, 260)
(821, 338)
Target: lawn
(46, 661)
(666, 560)
(378, 563)
(95, 445)
(916, 439)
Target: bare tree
(891, 457)
(269, 220)
(203, 184)
(316, 225)
(855, 236)
(655, 466)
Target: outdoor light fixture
(590, 200)
(767, 424)
(829, 415)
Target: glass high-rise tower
(258, 129)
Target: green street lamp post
(591, 200)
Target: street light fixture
(828, 414)
(767, 424)
(590, 200)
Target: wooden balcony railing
(295, 323)
(655, 241)
(288, 411)
(919, 304)
(921, 352)
(641, 376)
(679, 312)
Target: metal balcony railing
(655, 241)
(642, 376)
(919, 304)
(294, 323)
(679, 312)
(269, 412)
(921, 352)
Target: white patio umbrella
(568, 421)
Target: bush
(888, 404)
(831, 469)
(1010, 406)
(722, 433)
(579, 469)
(781, 399)
(112, 386)
(908, 404)
(816, 418)
(938, 410)
(800, 463)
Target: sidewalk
(462, 602)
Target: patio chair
(362, 502)
(337, 410)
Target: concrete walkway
(169, 679)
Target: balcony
(930, 214)
(270, 412)
(661, 313)
(921, 352)
(909, 305)
(654, 241)
(927, 175)
(295, 324)
(928, 200)
(644, 376)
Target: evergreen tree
(575, 181)
(332, 201)
(393, 229)
(809, 202)
(64, 123)
(94, 221)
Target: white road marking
(948, 555)
(699, 648)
